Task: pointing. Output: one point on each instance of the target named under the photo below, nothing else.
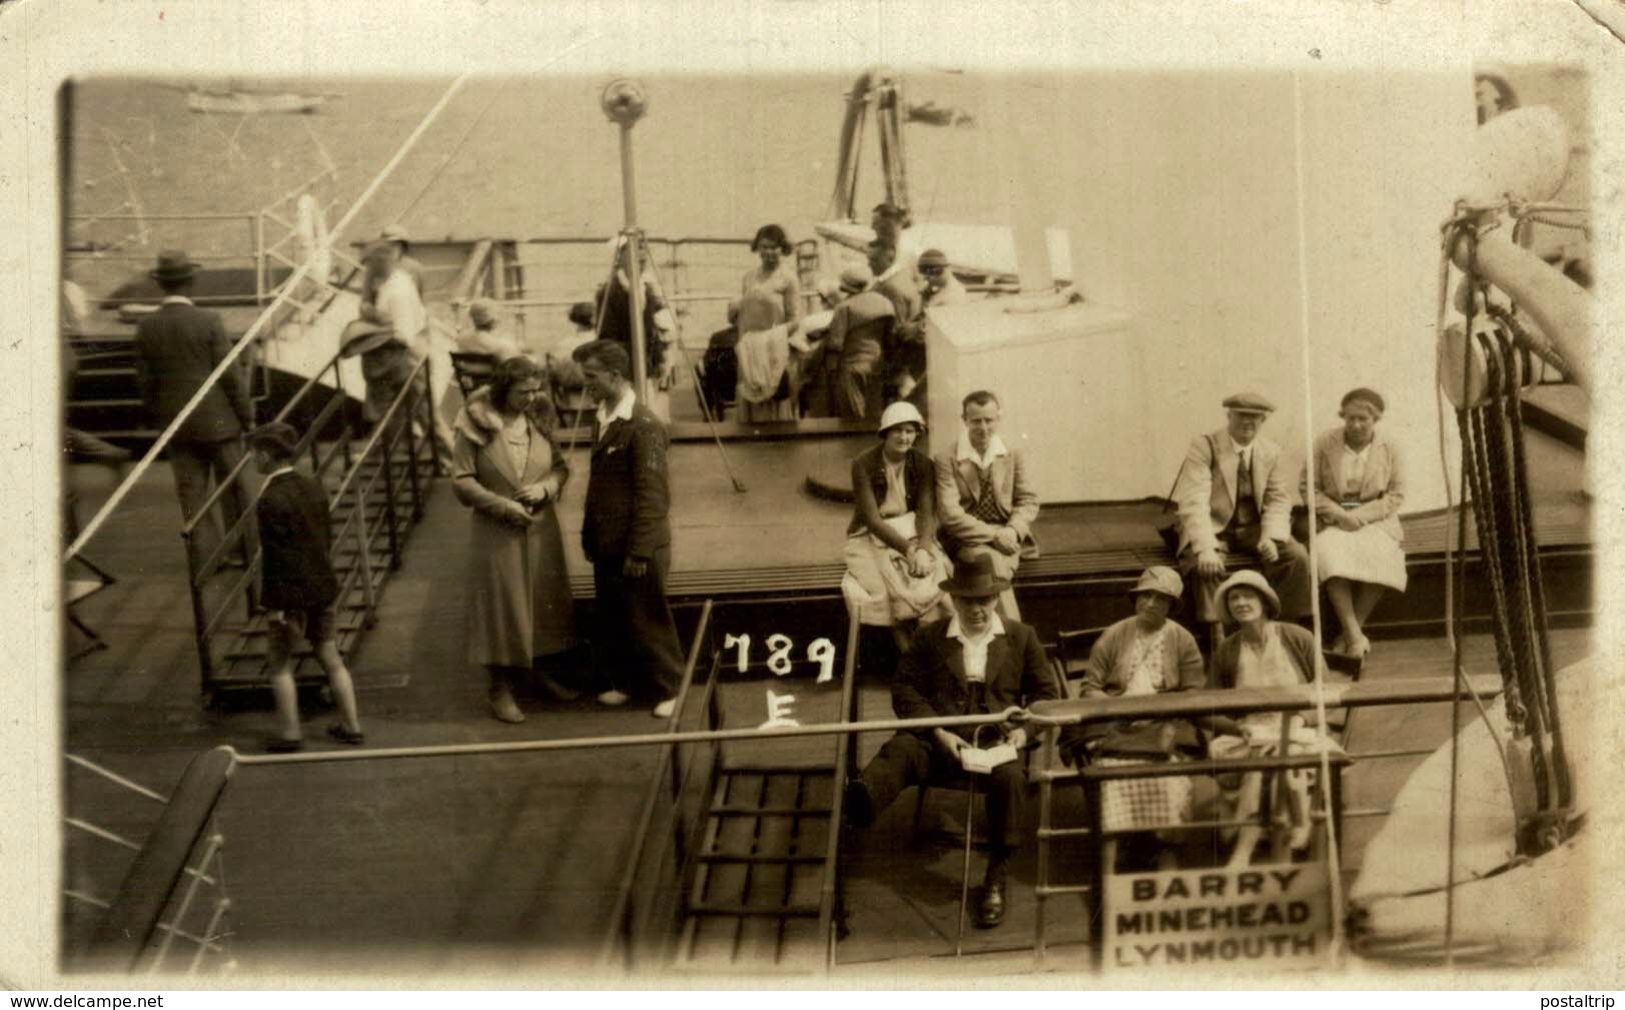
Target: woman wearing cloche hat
(893, 562)
(1142, 654)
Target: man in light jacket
(984, 504)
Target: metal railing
(176, 878)
(1197, 706)
(368, 513)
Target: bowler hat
(933, 258)
(174, 265)
(1250, 579)
(1250, 403)
(1160, 579)
(974, 577)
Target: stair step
(730, 810)
(725, 857)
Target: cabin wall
(1180, 193)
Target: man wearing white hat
(1233, 504)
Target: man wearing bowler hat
(177, 348)
(1233, 505)
(973, 663)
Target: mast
(624, 102)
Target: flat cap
(933, 258)
(1251, 402)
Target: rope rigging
(1495, 480)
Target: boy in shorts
(300, 589)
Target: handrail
(632, 740)
(1252, 700)
(621, 919)
(225, 484)
(133, 915)
(168, 434)
(829, 894)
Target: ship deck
(506, 865)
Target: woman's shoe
(503, 707)
(284, 745)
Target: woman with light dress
(893, 560)
(1264, 652)
(508, 470)
(1359, 488)
(775, 277)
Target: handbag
(1168, 519)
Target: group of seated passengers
(776, 363)
(970, 511)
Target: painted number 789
(820, 651)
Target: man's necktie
(987, 507)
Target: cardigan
(869, 490)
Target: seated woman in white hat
(893, 561)
(1265, 652)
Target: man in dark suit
(973, 663)
(176, 349)
(626, 534)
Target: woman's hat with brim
(1160, 579)
(174, 265)
(974, 578)
(1250, 579)
(901, 412)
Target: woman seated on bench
(1265, 652)
(1142, 655)
(893, 561)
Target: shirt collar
(966, 451)
(622, 411)
(176, 300)
(995, 627)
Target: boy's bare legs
(282, 687)
(338, 679)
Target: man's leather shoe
(860, 809)
(990, 910)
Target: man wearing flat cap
(1234, 506)
(971, 664)
(177, 348)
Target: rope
(1537, 588)
(1333, 855)
(455, 150)
(208, 384)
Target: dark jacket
(628, 492)
(930, 680)
(298, 544)
(869, 490)
(176, 349)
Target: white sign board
(1271, 915)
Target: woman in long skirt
(508, 470)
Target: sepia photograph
(916, 509)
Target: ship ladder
(765, 875)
